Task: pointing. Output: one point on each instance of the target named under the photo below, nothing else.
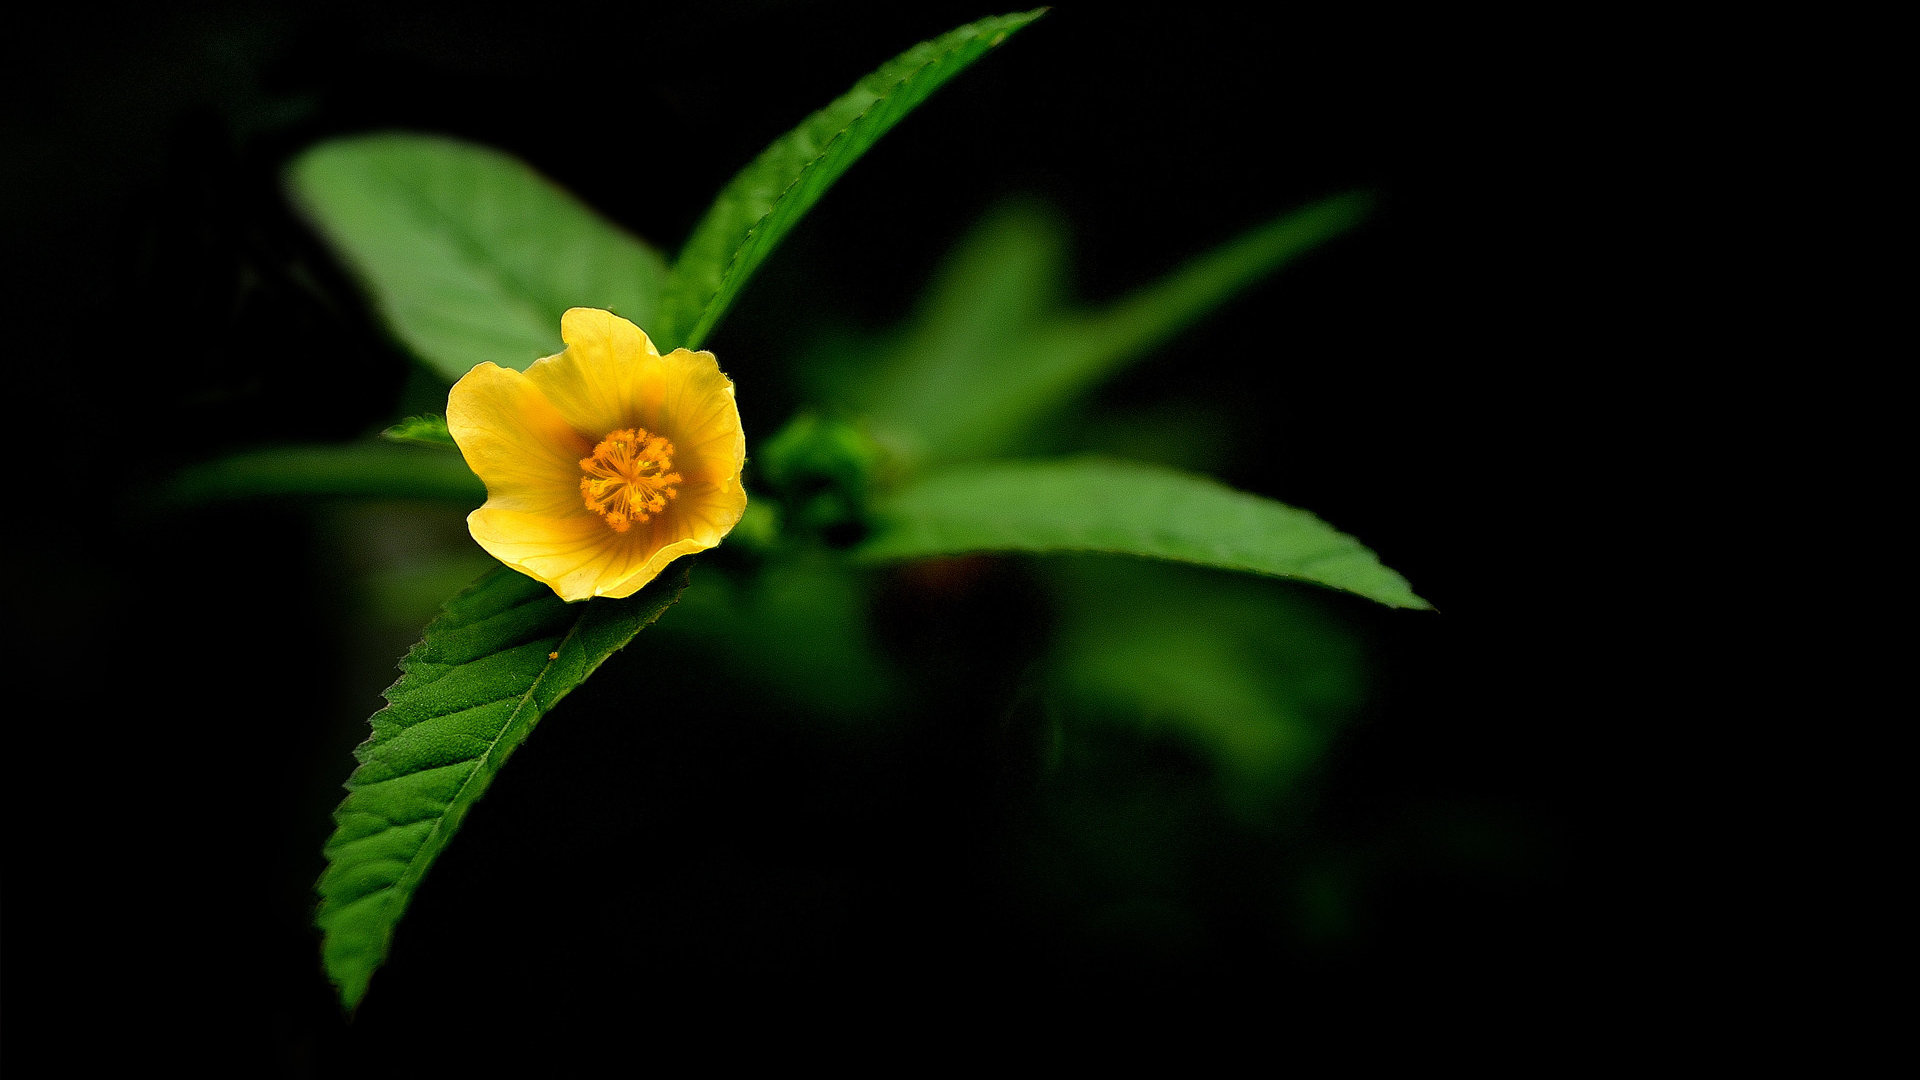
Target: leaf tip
(429, 429)
(350, 997)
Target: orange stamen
(629, 478)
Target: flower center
(629, 478)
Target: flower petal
(698, 412)
(607, 368)
(571, 554)
(514, 439)
(699, 519)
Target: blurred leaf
(429, 430)
(993, 291)
(761, 204)
(369, 469)
(804, 621)
(496, 661)
(399, 560)
(468, 254)
(1255, 674)
(989, 356)
(1123, 508)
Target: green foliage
(993, 353)
(839, 674)
(470, 257)
(758, 207)
(821, 469)
(366, 470)
(499, 658)
(1123, 508)
(429, 430)
(1255, 675)
(468, 254)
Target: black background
(1428, 382)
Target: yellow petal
(699, 414)
(572, 553)
(698, 519)
(515, 441)
(600, 380)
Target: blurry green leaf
(989, 357)
(369, 469)
(804, 622)
(469, 255)
(1123, 508)
(429, 430)
(760, 205)
(398, 561)
(1254, 674)
(993, 291)
(496, 661)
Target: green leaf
(428, 430)
(761, 204)
(1256, 676)
(1124, 509)
(495, 662)
(468, 254)
(841, 672)
(372, 470)
(986, 361)
(993, 292)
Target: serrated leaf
(982, 367)
(488, 669)
(1123, 508)
(368, 470)
(428, 430)
(761, 204)
(469, 254)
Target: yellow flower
(603, 463)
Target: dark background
(177, 736)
